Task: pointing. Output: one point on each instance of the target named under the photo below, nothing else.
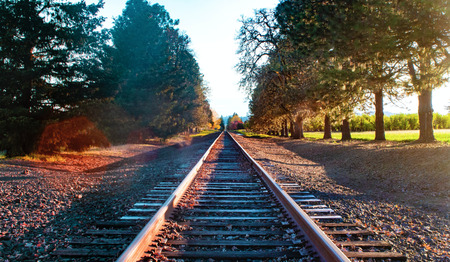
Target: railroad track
(229, 208)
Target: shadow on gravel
(103, 196)
(148, 156)
(12, 178)
(399, 173)
(24, 164)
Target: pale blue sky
(212, 26)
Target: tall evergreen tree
(48, 52)
(161, 84)
(222, 123)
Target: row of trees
(360, 123)
(56, 63)
(310, 57)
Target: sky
(212, 26)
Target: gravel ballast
(43, 204)
(401, 191)
(398, 190)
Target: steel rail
(136, 250)
(325, 248)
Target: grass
(442, 135)
(35, 157)
(46, 158)
(204, 133)
(247, 133)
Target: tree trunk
(286, 130)
(379, 116)
(291, 128)
(282, 130)
(425, 117)
(346, 135)
(327, 127)
(298, 128)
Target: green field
(442, 135)
(204, 133)
(251, 134)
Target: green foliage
(160, 81)
(402, 122)
(48, 55)
(250, 134)
(222, 123)
(55, 65)
(115, 123)
(360, 123)
(331, 56)
(313, 124)
(320, 32)
(441, 121)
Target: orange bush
(76, 134)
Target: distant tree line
(235, 122)
(136, 80)
(360, 123)
(325, 58)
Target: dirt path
(399, 190)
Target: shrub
(401, 122)
(111, 119)
(313, 124)
(441, 121)
(76, 134)
(362, 123)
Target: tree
(161, 84)
(424, 28)
(234, 122)
(355, 49)
(269, 67)
(48, 53)
(259, 39)
(222, 123)
(314, 29)
(265, 103)
(376, 50)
